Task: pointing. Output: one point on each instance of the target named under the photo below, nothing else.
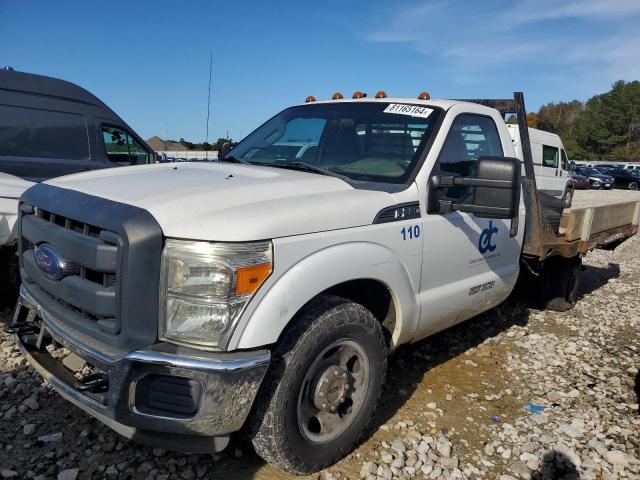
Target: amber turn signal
(249, 279)
(337, 96)
(381, 94)
(424, 96)
(310, 99)
(358, 94)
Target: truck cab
(550, 162)
(262, 293)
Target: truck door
(563, 173)
(470, 264)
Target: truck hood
(233, 202)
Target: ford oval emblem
(50, 262)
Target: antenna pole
(209, 101)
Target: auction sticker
(411, 110)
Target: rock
(616, 457)
(8, 473)
(368, 468)
(444, 449)
(573, 393)
(159, 452)
(29, 429)
(52, 437)
(449, 463)
(68, 474)
(32, 403)
(146, 466)
(398, 446)
(386, 457)
(520, 469)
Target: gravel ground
(513, 393)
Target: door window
(122, 148)
(470, 137)
(35, 133)
(565, 162)
(549, 156)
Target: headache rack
(580, 230)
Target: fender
(265, 318)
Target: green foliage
(607, 127)
(204, 145)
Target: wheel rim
(633, 186)
(333, 391)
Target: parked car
(603, 167)
(596, 178)
(626, 178)
(50, 127)
(580, 182)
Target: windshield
(374, 141)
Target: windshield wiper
(303, 166)
(232, 159)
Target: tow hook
(93, 383)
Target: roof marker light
(337, 96)
(310, 99)
(424, 96)
(381, 94)
(358, 94)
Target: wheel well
(373, 295)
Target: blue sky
(149, 60)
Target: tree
(532, 120)
(609, 127)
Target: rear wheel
(322, 387)
(561, 282)
(633, 186)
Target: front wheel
(633, 186)
(322, 386)
(568, 198)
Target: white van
(549, 160)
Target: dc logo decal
(484, 242)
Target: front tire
(322, 386)
(568, 198)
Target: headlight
(204, 287)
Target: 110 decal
(411, 232)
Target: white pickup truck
(264, 294)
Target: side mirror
(496, 190)
(224, 149)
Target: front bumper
(223, 386)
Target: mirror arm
(443, 181)
(447, 206)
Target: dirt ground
(465, 387)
